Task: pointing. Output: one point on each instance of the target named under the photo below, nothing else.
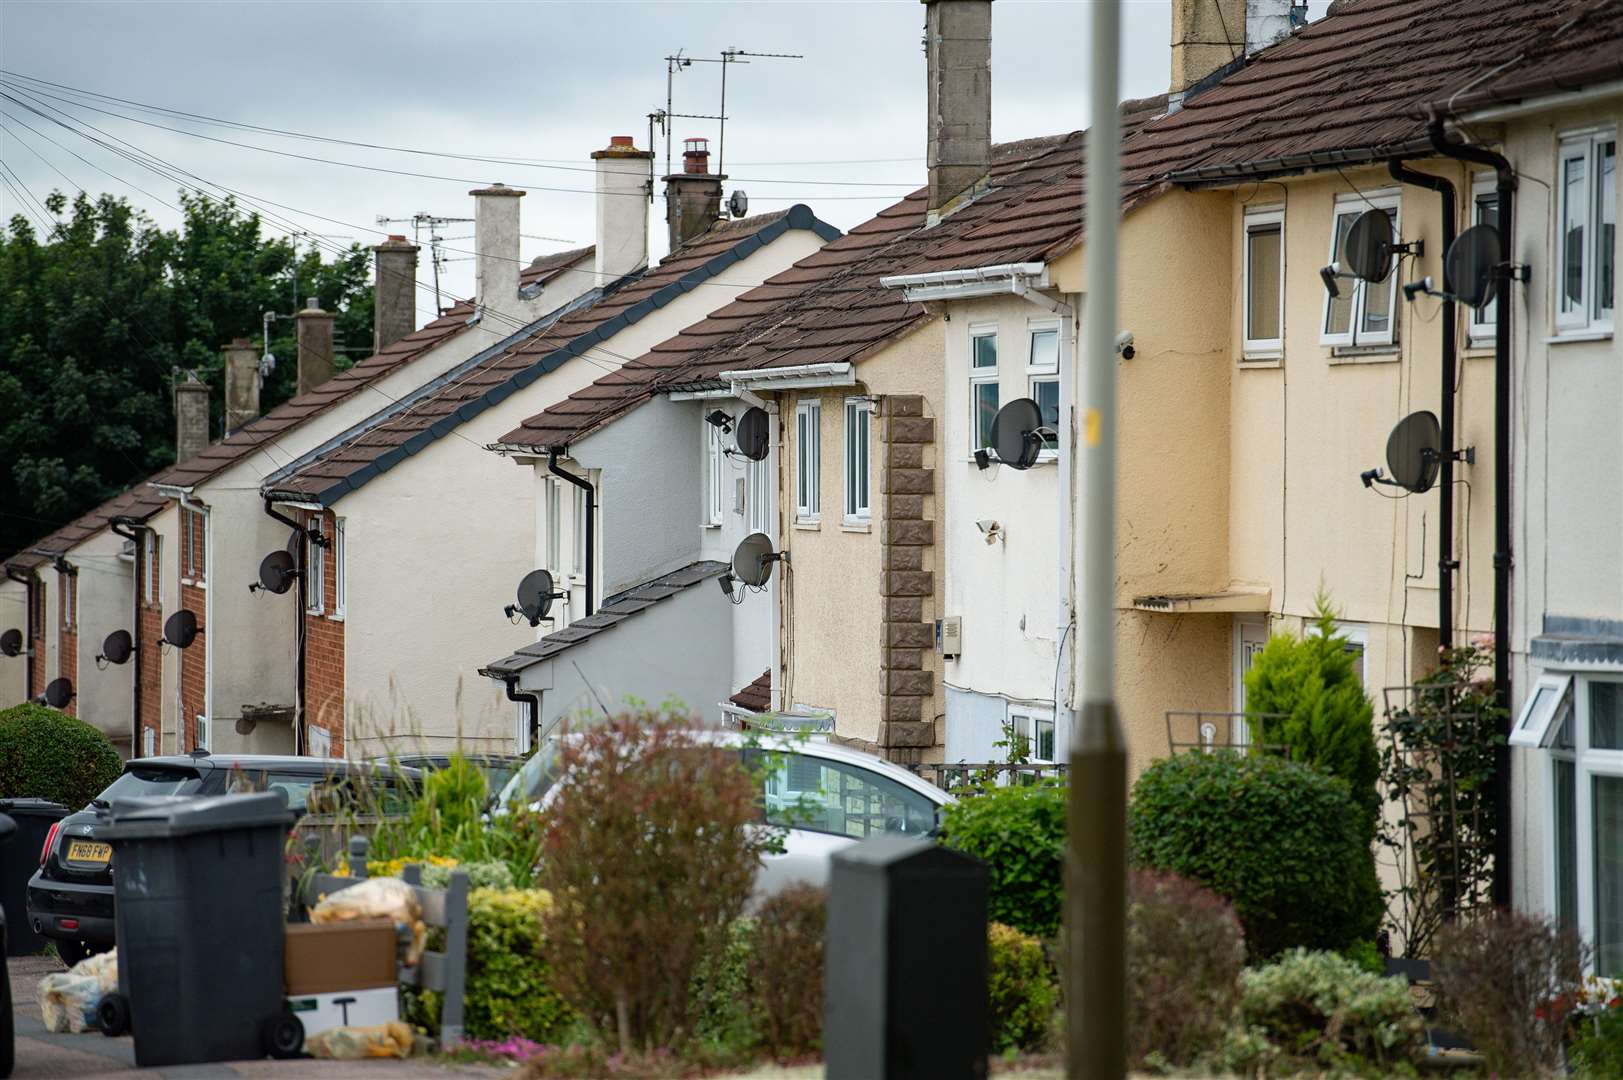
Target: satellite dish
(1015, 435)
(738, 204)
(753, 559)
(117, 648)
(1367, 251)
(536, 593)
(58, 692)
(1414, 451)
(754, 434)
(11, 642)
(180, 629)
(1468, 268)
(276, 572)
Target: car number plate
(89, 851)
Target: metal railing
(952, 776)
(1205, 732)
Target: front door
(1250, 635)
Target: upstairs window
(1586, 240)
(338, 574)
(1484, 211)
(808, 460)
(715, 463)
(1042, 371)
(554, 526)
(153, 585)
(38, 600)
(1264, 284)
(1366, 312)
(983, 390)
(858, 417)
(581, 512)
(315, 579)
(759, 496)
(70, 601)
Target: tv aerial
(752, 563)
(536, 592)
(58, 692)
(179, 630)
(753, 434)
(277, 572)
(1367, 252)
(116, 649)
(1414, 455)
(1468, 269)
(1017, 436)
(11, 642)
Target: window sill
(1381, 354)
(1478, 350)
(857, 525)
(1574, 336)
(809, 526)
(337, 616)
(1260, 363)
(712, 525)
(1249, 354)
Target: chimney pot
(241, 384)
(620, 140)
(958, 47)
(623, 174)
(394, 291)
(315, 346)
(696, 156)
(191, 418)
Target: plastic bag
(377, 898)
(393, 1039)
(68, 999)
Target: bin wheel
(113, 1013)
(283, 1035)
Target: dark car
(70, 896)
(497, 769)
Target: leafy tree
(1304, 694)
(97, 315)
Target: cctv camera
(986, 525)
(721, 420)
(983, 460)
(1124, 344)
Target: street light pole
(1096, 870)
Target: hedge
(48, 754)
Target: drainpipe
(299, 737)
(134, 532)
(533, 701)
(26, 580)
(1505, 273)
(1446, 563)
(591, 519)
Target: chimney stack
(958, 45)
(315, 346)
(692, 196)
(1209, 35)
(241, 384)
(394, 291)
(623, 176)
(1268, 21)
(191, 418)
(495, 249)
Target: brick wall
(907, 484)
(324, 645)
(36, 657)
(67, 656)
(193, 666)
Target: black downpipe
(591, 520)
(1446, 563)
(26, 580)
(300, 736)
(133, 531)
(533, 701)
(1505, 274)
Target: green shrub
(1282, 842)
(723, 1006)
(1327, 719)
(447, 819)
(481, 875)
(1019, 833)
(509, 990)
(47, 754)
(1318, 1012)
(1509, 983)
(787, 970)
(1596, 1052)
(1021, 994)
(1185, 950)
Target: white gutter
(975, 281)
(802, 376)
(1532, 106)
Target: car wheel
(113, 1014)
(71, 951)
(8, 1043)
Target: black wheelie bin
(18, 860)
(197, 886)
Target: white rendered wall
(13, 669)
(106, 603)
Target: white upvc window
(338, 566)
(200, 724)
(858, 422)
(1355, 643)
(1484, 211)
(983, 388)
(315, 577)
(1586, 233)
(715, 464)
(320, 741)
(1032, 729)
(149, 742)
(578, 566)
(1366, 312)
(1042, 379)
(758, 499)
(1264, 309)
(555, 526)
(153, 567)
(808, 460)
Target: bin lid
(176, 815)
(880, 854)
(38, 807)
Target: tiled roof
(546, 267)
(615, 610)
(757, 696)
(290, 414)
(830, 308)
(1583, 49)
(438, 410)
(139, 502)
(1350, 87)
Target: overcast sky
(543, 81)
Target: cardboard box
(331, 957)
(346, 1008)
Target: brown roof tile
(546, 267)
(139, 502)
(757, 696)
(1581, 50)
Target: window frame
(70, 602)
(1352, 204)
(1480, 330)
(980, 377)
(554, 527)
(1583, 146)
(1591, 765)
(1045, 375)
(715, 476)
(315, 592)
(758, 497)
(1261, 348)
(855, 512)
(1542, 733)
(152, 567)
(578, 513)
(338, 575)
(808, 461)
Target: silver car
(825, 796)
